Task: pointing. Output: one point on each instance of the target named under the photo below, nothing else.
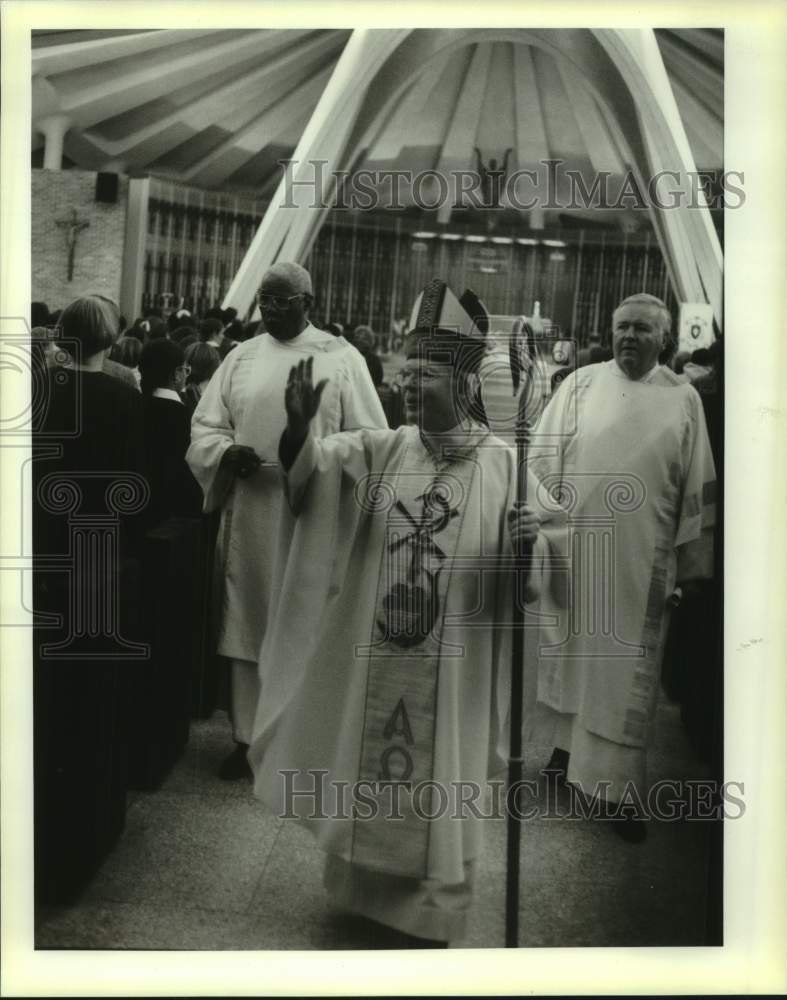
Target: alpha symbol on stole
(399, 724)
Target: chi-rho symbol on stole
(425, 515)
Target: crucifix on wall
(73, 227)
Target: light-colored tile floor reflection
(203, 865)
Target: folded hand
(240, 460)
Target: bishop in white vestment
(387, 660)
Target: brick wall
(98, 258)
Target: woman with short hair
(203, 361)
(87, 443)
(126, 352)
(89, 503)
(106, 410)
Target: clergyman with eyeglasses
(235, 436)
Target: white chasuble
(244, 404)
(387, 657)
(631, 462)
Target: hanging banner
(696, 326)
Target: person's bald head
(296, 278)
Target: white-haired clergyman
(624, 445)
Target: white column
(133, 277)
(53, 130)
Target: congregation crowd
(270, 432)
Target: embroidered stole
(425, 515)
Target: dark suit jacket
(167, 432)
(88, 429)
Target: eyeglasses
(278, 301)
(405, 375)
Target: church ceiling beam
(431, 124)
(531, 137)
(386, 140)
(411, 59)
(45, 100)
(601, 152)
(531, 147)
(81, 150)
(89, 96)
(41, 38)
(261, 131)
(209, 133)
(463, 128)
(90, 52)
(262, 171)
(496, 121)
(707, 41)
(460, 140)
(175, 149)
(705, 82)
(564, 136)
(214, 94)
(706, 133)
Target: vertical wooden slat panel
(577, 284)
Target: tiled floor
(203, 865)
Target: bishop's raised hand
(302, 399)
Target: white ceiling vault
(219, 109)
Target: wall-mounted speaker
(107, 188)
